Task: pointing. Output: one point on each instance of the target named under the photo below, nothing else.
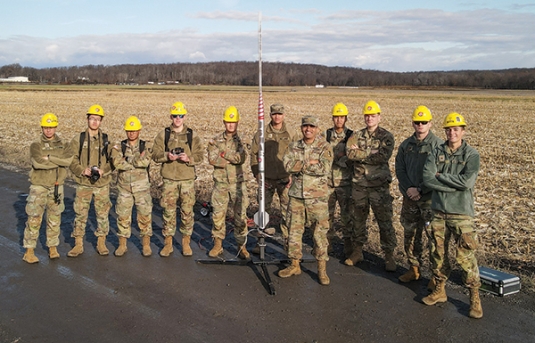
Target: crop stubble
(501, 126)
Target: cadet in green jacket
(276, 139)
(50, 158)
(416, 213)
(451, 172)
(91, 169)
(131, 158)
(370, 150)
(179, 149)
(309, 161)
(227, 154)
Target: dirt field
(500, 126)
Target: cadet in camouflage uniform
(277, 137)
(416, 213)
(309, 161)
(91, 169)
(132, 158)
(179, 149)
(370, 149)
(50, 158)
(451, 172)
(340, 178)
(227, 154)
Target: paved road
(136, 299)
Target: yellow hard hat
(231, 115)
(178, 108)
(371, 108)
(454, 119)
(421, 113)
(96, 109)
(132, 124)
(340, 110)
(49, 120)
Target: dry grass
(500, 126)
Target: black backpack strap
(166, 138)
(348, 134)
(105, 151)
(329, 134)
(141, 146)
(189, 137)
(123, 146)
(82, 139)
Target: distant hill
(274, 74)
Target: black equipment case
(498, 283)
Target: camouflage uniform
(43, 176)
(371, 185)
(133, 188)
(452, 176)
(227, 155)
(340, 179)
(178, 179)
(276, 178)
(308, 195)
(415, 215)
(94, 153)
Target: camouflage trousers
(39, 200)
(223, 195)
(126, 198)
(380, 200)
(461, 228)
(415, 219)
(342, 195)
(173, 191)
(281, 188)
(308, 211)
(82, 202)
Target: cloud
(406, 40)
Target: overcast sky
(394, 35)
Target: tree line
(274, 74)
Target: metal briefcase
(499, 283)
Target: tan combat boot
(390, 262)
(438, 295)
(217, 249)
(186, 249)
(122, 249)
(29, 256)
(411, 275)
(146, 246)
(78, 248)
(293, 269)
(322, 273)
(53, 252)
(476, 311)
(168, 247)
(101, 246)
(356, 256)
(431, 285)
(243, 253)
(348, 247)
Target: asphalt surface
(93, 298)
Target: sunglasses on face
(181, 116)
(420, 123)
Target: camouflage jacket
(45, 172)
(341, 168)
(370, 157)
(410, 161)
(452, 177)
(276, 142)
(178, 170)
(132, 167)
(93, 153)
(227, 155)
(308, 180)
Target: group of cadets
(310, 172)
